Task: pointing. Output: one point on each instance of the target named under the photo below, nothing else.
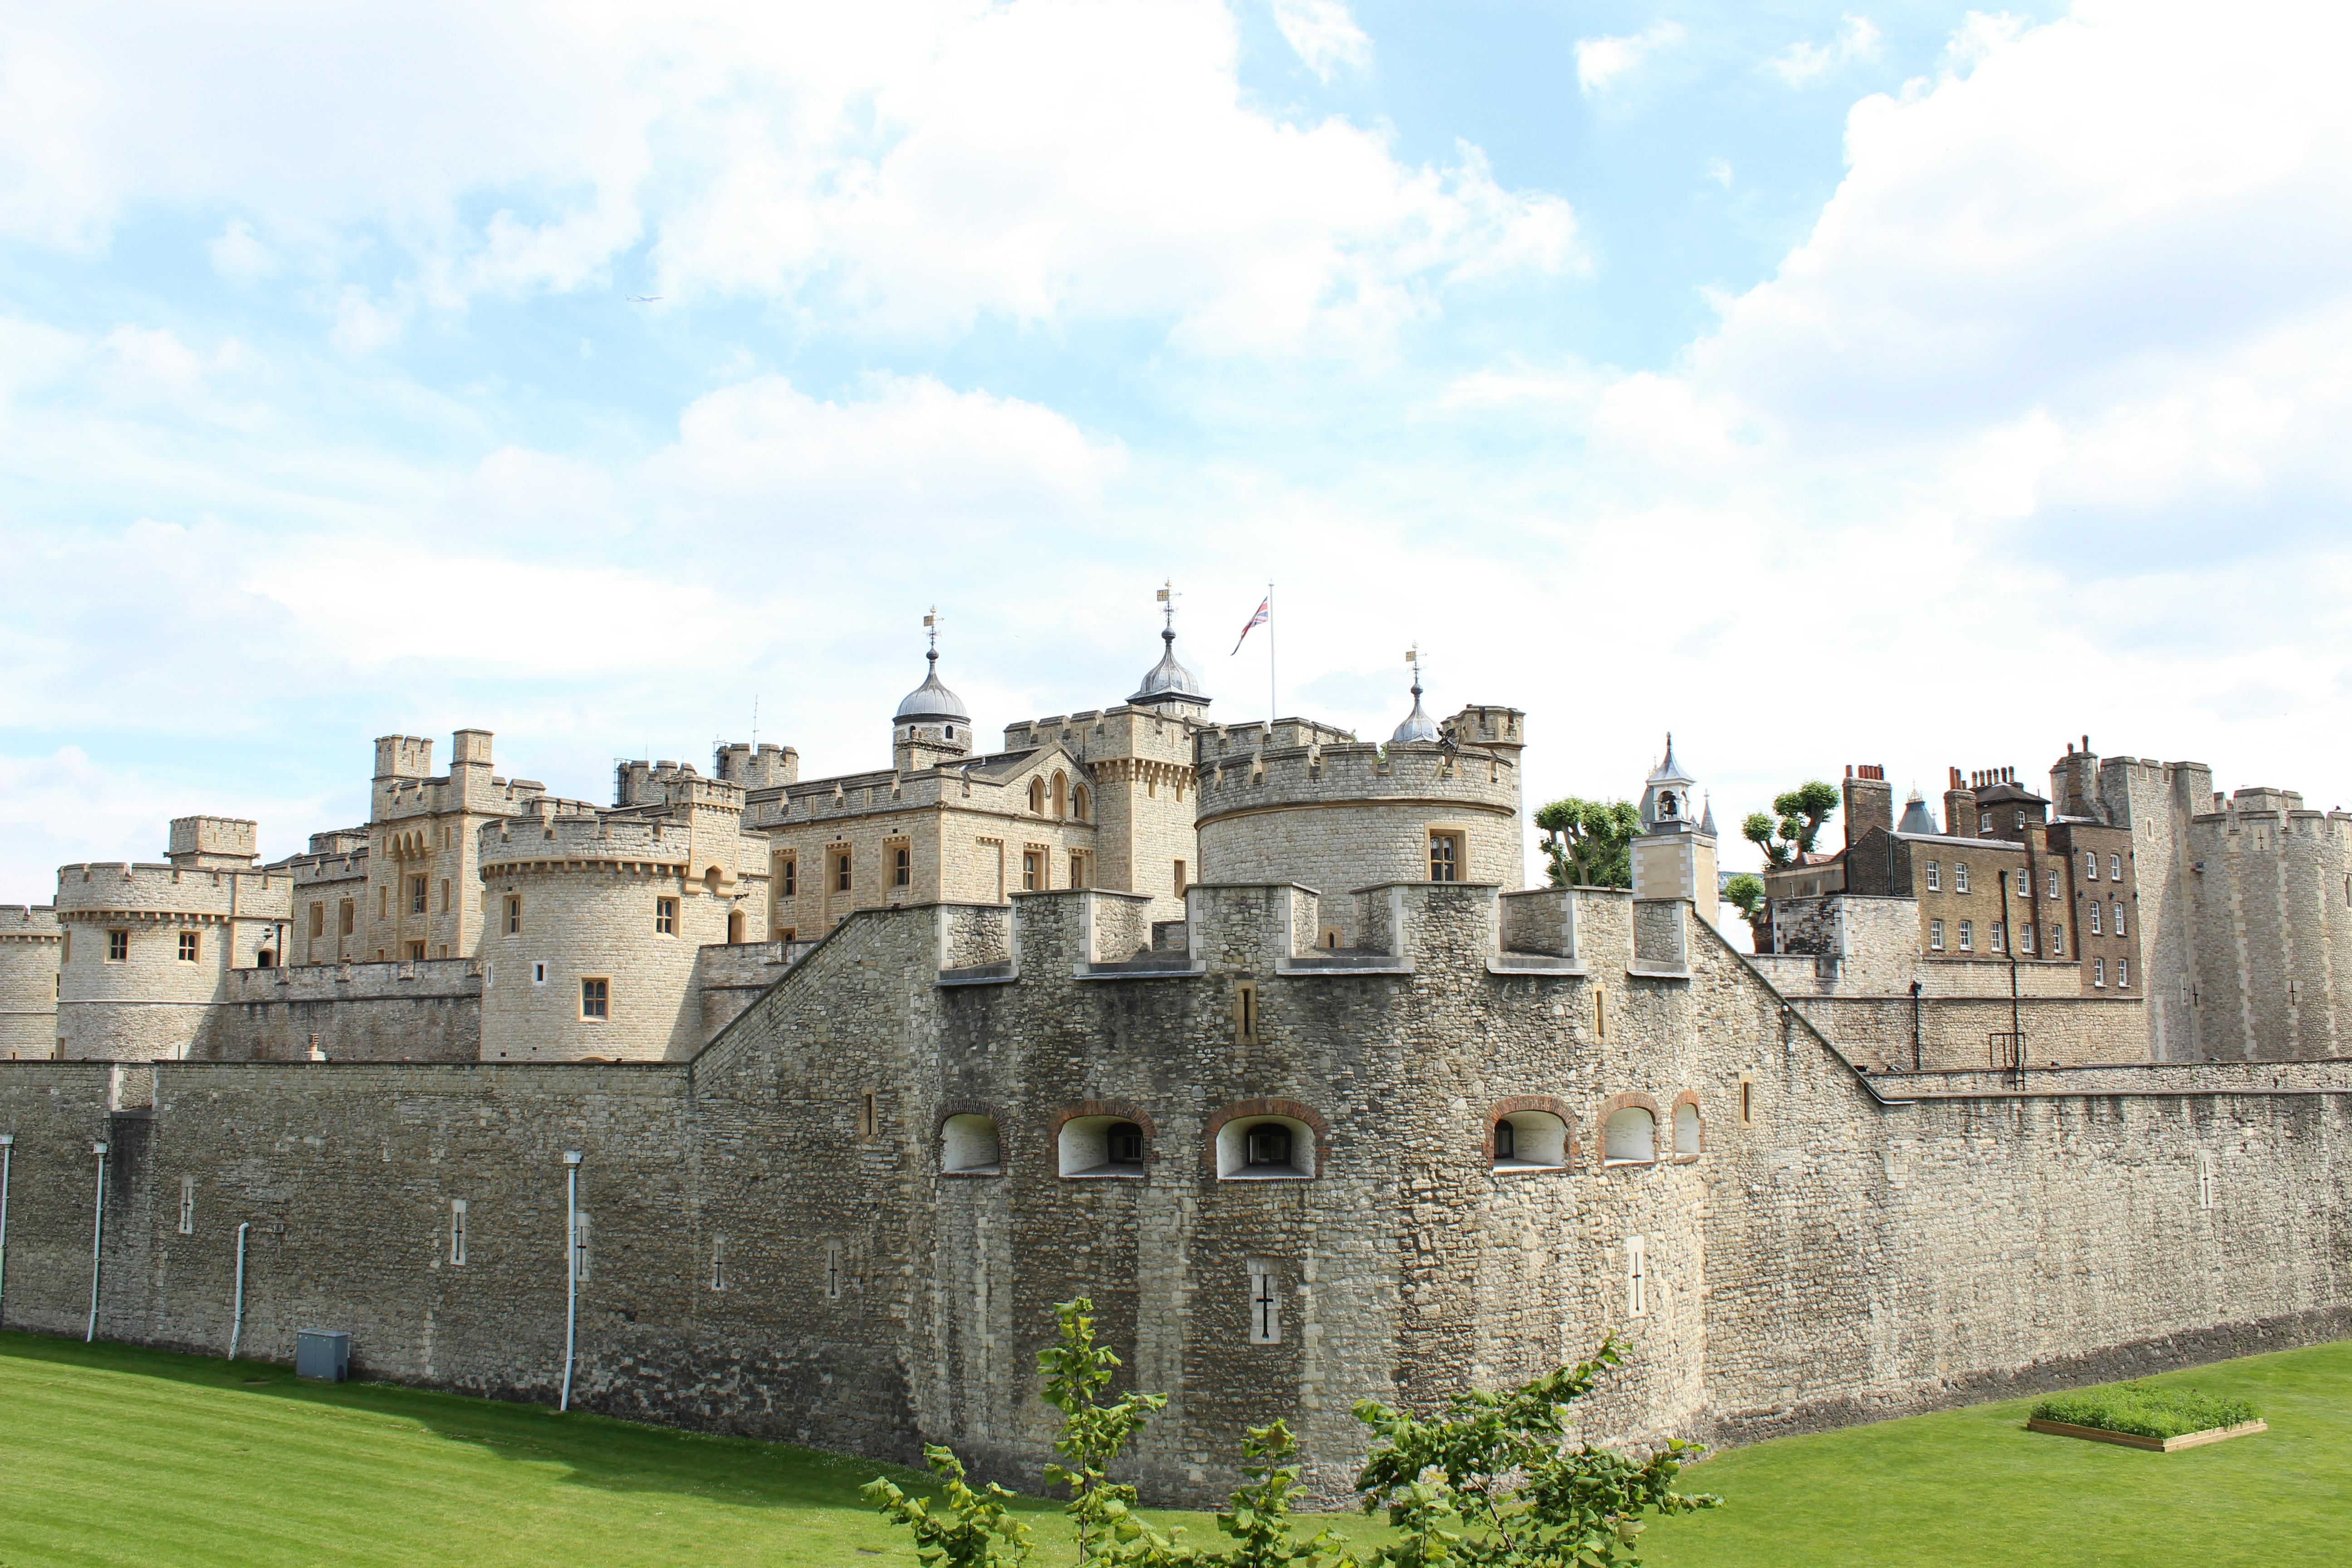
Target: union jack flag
(1257, 620)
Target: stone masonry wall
(29, 982)
(429, 1012)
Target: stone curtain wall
(359, 1012)
(1954, 1032)
(775, 1249)
(29, 982)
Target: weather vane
(1168, 602)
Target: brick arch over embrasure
(1615, 1103)
(1243, 1109)
(1688, 1097)
(1551, 1103)
(1125, 1110)
(975, 1108)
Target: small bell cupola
(1674, 854)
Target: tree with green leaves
(1524, 1494)
(1745, 893)
(1077, 1372)
(1258, 1517)
(1800, 814)
(1589, 842)
(968, 1530)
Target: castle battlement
(95, 888)
(28, 921)
(1243, 780)
(658, 841)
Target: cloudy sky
(1899, 384)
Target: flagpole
(1273, 703)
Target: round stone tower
(1299, 802)
(29, 982)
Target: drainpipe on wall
(570, 1267)
(236, 1323)
(8, 1158)
(97, 1241)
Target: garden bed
(2142, 1415)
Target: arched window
(710, 882)
(1264, 1148)
(1686, 1130)
(1037, 796)
(1081, 803)
(1061, 795)
(1631, 1136)
(1530, 1140)
(969, 1146)
(1102, 1146)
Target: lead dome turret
(1168, 683)
(932, 725)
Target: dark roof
(2001, 793)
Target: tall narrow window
(347, 918)
(665, 917)
(2091, 865)
(1959, 876)
(118, 946)
(868, 1120)
(2025, 940)
(2114, 868)
(1078, 868)
(792, 877)
(383, 902)
(596, 998)
(445, 895)
(2094, 913)
(458, 1231)
(2123, 973)
(187, 1205)
(719, 1263)
(188, 947)
(318, 921)
(902, 867)
(417, 895)
(539, 973)
(2024, 883)
(1600, 1012)
(1746, 1100)
(1968, 936)
(832, 1270)
(1245, 1013)
(2054, 884)
(1030, 862)
(1934, 936)
(1935, 875)
(2098, 972)
(580, 1246)
(2057, 940)
(1637, 1281)
(1265, 1303)
(514, 914)
(2204, 1181)
(841, 872)
(2119, 917)
(1444, 857)
(1998, 937)
(1180, 883)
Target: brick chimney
(1869, 801)
(1960, 808)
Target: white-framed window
(2095, 917)
(1264, 1303)
(2054, 884)
(2025, 884)
(1934, 877)
(2098, 972)
(2091, 865)
(1637, 1278)
(580, 1246)
(1968, 936)
(2123, 973)
(665, 917)
(1936, 936)
(539, 973)
(1996, 936)
(2114, 868)
(1984, 823)
(2119, 917)
(2021, 817)
(1959, 876)
(2057, 940)
(187, 1205)
(458, 1231)
(2025, 940)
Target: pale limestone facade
(29, 982)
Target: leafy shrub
(2143, 1410)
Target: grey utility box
(323, 1354)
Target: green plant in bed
(2143, 1410)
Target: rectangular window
(1180, 883)
(1637, 1282)
(2025, 884)
(2025, 940)
(458, 1230)
(1959, 876)
(2114, 868)
(1746, 1100)
(416, 953)
(841, 872)
(1936, 936)
(2119, 917)
(2057, 942)
(580, 1246)
(596, 998)
(2123, 973)
(417, 895)
(2098, 972)
(1077, 867)
(833, 1271)
(383, 902)
(187, 1205)
(792, 877)
(2054, 884)
(902, 867)
(2090, 865)
(2094, 913)
(1444, 857)
(65, 944)
(2204, 1181)
(347, 918)
(445, 895)
(1935, 875)
(539, 973)
(118, 946)
(665, 917)
(514, 914)
(1968, 936)
(1030, 861)
(2021, 817)
(187, 947)
(719, 1263)
(1600, 1012)
(1996, 938)
(1245, 1013)
(1984, 823)
(318, 921)
(1265, 1303)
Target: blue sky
(1895, 384)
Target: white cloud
(1804, 63)
(1324, 34)
(1604, 63)
(239, 256)
(1720, 170)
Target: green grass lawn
(113, 1455)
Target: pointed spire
(1707, 822)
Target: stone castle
(789, 1107)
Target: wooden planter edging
(2161, 1445)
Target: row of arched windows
(1078, 804)
(1281, 1140)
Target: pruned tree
(1588, 842)
(1745, 893)
(1800, 813)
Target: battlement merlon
(768, 767)
(691, 846)
(212, 842)
(32, 921)
(1358, 772)
(98, 891)
(638, 785)
(1137, 730)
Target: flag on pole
(1257, 620)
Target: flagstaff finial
(931, 629)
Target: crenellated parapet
(100, 890)
(658, 845)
